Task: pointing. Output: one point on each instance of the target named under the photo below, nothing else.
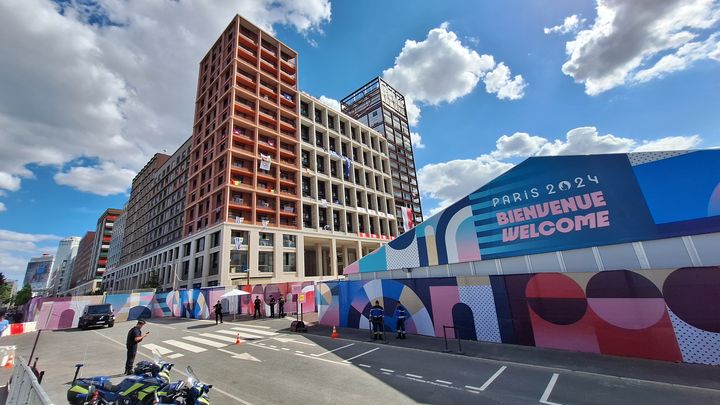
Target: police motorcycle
(190, 392)
(137, 388)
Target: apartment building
(117, 241)
(81, 264)
(245, 218)
(66, 252)
(382, 108)
(37, 274)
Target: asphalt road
(273, 366)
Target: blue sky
(492, 88)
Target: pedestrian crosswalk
(217, 339)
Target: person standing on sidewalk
(376, 317)
(218, 312)
(400, 314)
(134, 337)
(4, 323)
(272, 306)
(281, 307)
(257, 308)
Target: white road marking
(474, 392)
(333, 350)
(444, 382)
(185, 346)
(285, 348)
(286, 340)
(273, 346)
(299, 352)
(161, 326)
(263, 347)
(548, 391)
(150, 346)
(243, 335)
(174, 356)
(364, 365)
(258, 332)
(256, 326)
(361, 354)
(414, 376)
(387, 371)
(490, 380)
(206, 342)
(326, 360)
(219, 337)
(241, 356)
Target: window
(265, 262)
(304, 109)
(186, 249)
(305, 158)
(289, 241)
(266, 239)
(305, 133)
(342, 128)
(239, 238)
(238, 261)
(331, 122)
(318, 116)
(321, 164)
(214, 263)
(306, 187)
(185, 269)
(289, 263)
(199, 245)
(198, 267)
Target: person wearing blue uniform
(376, 317)
(400, 314)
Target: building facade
(66, 252)
(38, 272)
(246, 218)
(382, 108)
(80, 265)
(117, 242)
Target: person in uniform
(218, 312)
(376, 317)
(281, 307)
(257, 308)
(400, 314)
(272, 306)
(134, 337)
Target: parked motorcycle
(135, 389)
(192, 392)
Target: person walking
(376, 317)
(272, 306)
(218, 312)
(400, 314)
(134, 337)
(281, 307)
(257, 308)
(4, 323)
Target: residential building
(37, 274)
(104, 232)
(81, 264)
(245, 218)
(116, 243)
(67, 249)
(382, 108)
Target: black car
(97, 315)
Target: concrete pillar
(318, 259)
(300, 256)
(345, 256)
(333, 257)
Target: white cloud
(17, 248)
(9, 182)
(117, 93)
(449, 181)
(441, 69)
(570, 24)
(2, 207)
(413, 111)
(628, 34)
(104, 179)
(416, 140)
(330, 102)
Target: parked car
(97, 315)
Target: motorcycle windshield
(157, 357)
(192, 377)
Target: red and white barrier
(19, 328)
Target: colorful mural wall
(64, 312)
(663, 315)
(548, 204)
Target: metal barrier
(457, 335)
(24, 388)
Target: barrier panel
(24, 388)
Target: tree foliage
(23, 295)
(152, 282)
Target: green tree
(152, 282)
(23, 295)
(5, 293)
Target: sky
(90, 90)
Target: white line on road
(361, 354)
(387, 371)
(490, 380)
(414, 376)
(174, 356)
(219, 337)
(333, 350)
(548, 391)
(185, 346)
(263, 347)
(285, 348)
(444, 382)
(326, 360)
(206, 342)
(242, 334)
(364, 365)
(299, 352)
(258, 332)
(151, 346)
(161, 326)
(256, 326)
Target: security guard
(400, 315)
(376, 317)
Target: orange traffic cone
(334, 334)
(237, 340)
(10, 361)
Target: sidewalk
(691, 375)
